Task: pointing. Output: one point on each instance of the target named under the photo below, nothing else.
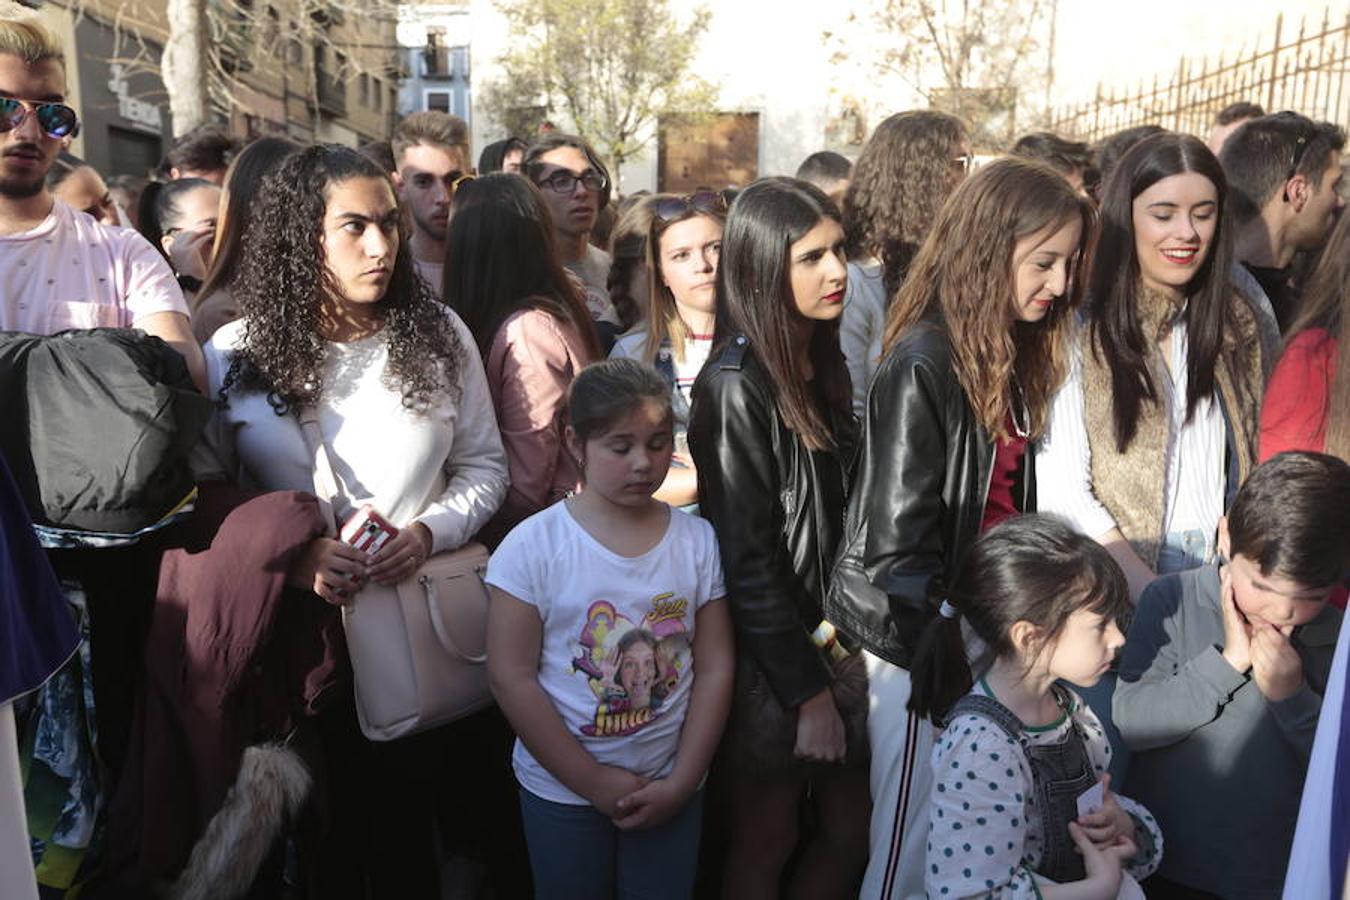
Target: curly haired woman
(333, 317)
(909, 166)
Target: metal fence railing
(1305, 72)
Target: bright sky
(1116, 41)
(1124, 42)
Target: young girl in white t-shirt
(603, 608)
(1021, 805)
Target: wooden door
(719, 152)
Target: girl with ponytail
(1021, 805)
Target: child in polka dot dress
(1021, 805)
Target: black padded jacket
(778, 511)
(919, 490)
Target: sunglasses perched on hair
(704, 202)
(1300, 148)
(564, 182)
(1306, 135)
(55, 119)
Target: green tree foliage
(614, 68)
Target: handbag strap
(325, 482)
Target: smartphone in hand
(367, 530)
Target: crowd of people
(929, 524)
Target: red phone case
(367, 530)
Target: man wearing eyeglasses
(59, 268)
(431, 159)
(1284, 176)
(576, 187)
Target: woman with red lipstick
(771, 433)
(975, 346)
(683, 244)
(1157, 424)
(532, 327)
(335, 319)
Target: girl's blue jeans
(577, 853)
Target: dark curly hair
(900, 181)
(282, 279)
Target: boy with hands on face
(1222, 676)
(1259, 648)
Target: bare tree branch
(967, 57)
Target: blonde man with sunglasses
(59, 268)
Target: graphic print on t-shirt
(630, 667)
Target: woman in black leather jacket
(975, 346)
(771, 432)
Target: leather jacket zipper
(988, 480)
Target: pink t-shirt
(73, 272)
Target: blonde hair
(28, 39)
(433, 127)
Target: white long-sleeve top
(861, 325)
(1193, 490)
(443, 467)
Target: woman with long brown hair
(1307, 403)
(771, 433)
(908, 168)
(215, 304)
(975, 347)
(504, 278)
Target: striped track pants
(901, 778)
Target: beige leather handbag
(418, 648)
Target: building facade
(287, 67)
(434, 41)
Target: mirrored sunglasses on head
(705, 202)
(55, 119)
